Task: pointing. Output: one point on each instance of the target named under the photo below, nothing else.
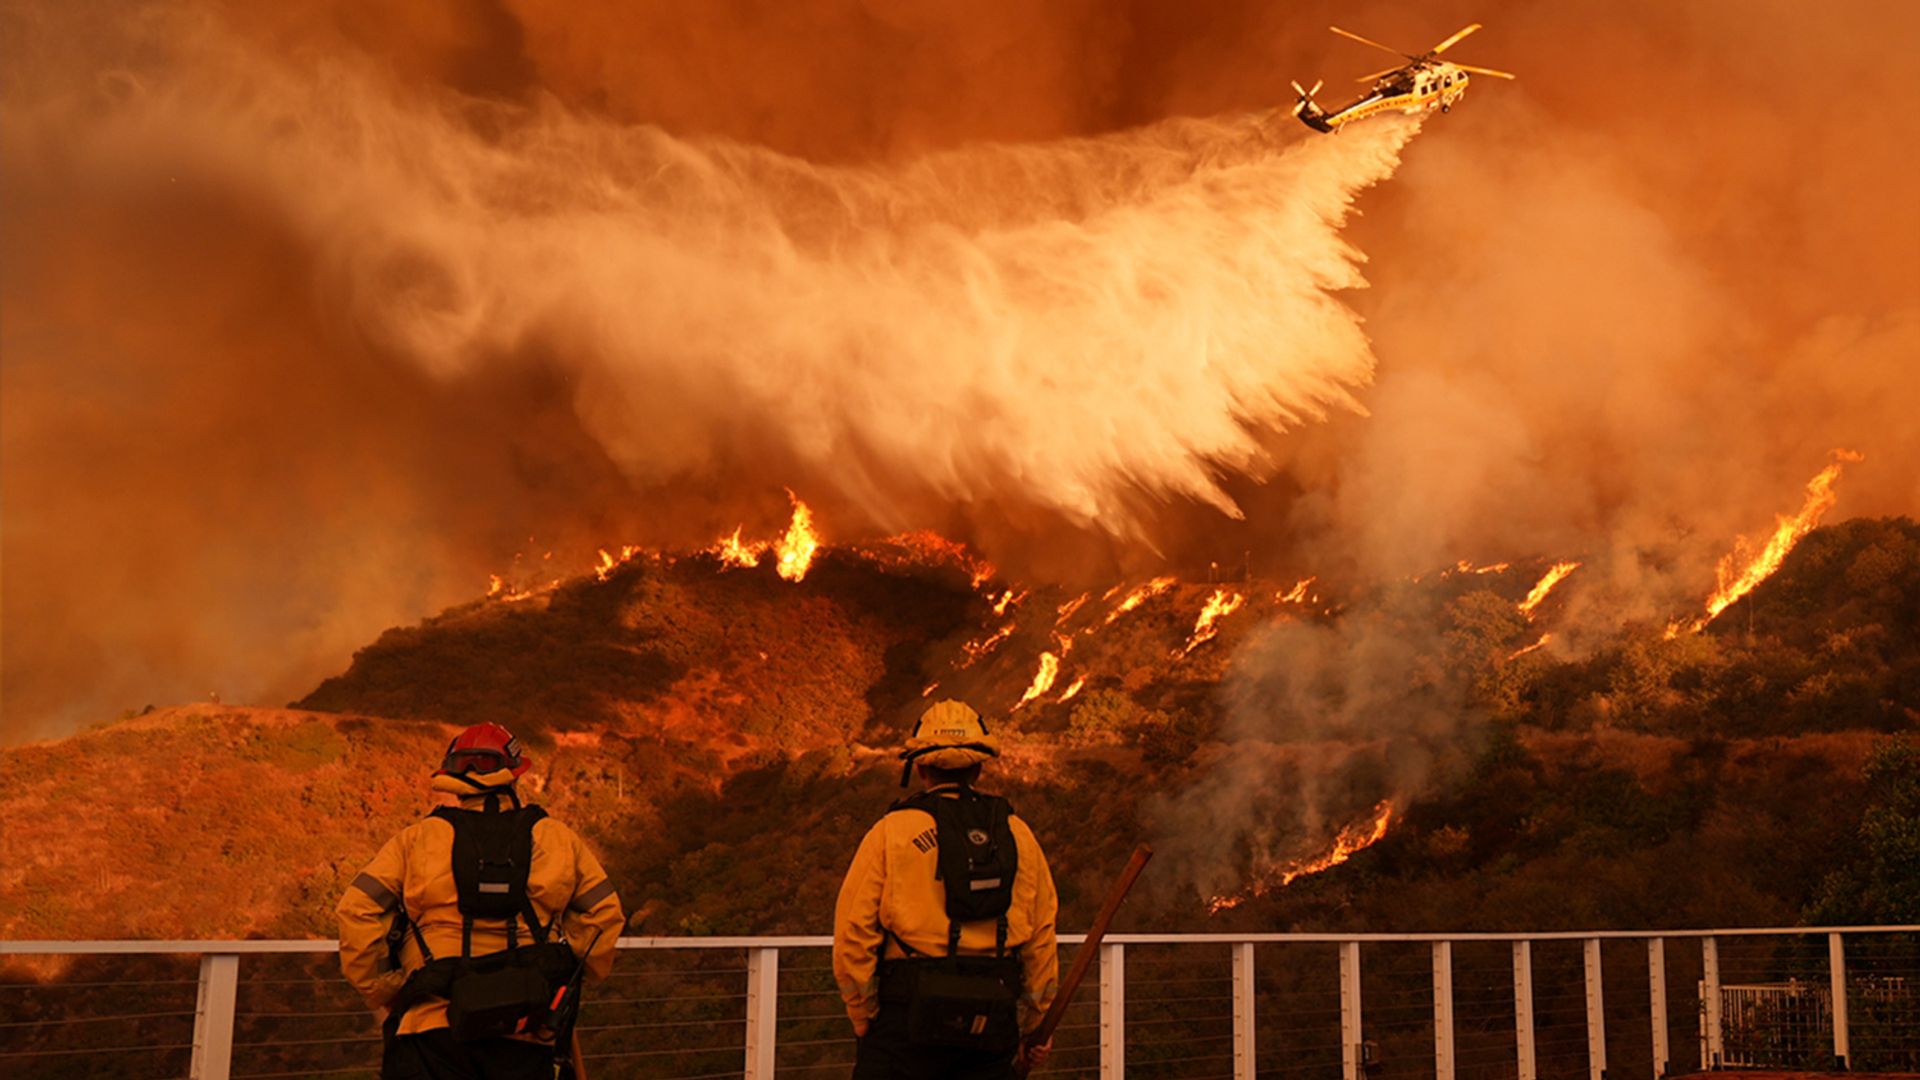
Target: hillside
(724, 736)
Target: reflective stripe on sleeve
(382, 895)
(590, 899)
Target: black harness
(502, 993)
(963, 1001)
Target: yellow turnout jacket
(417, 866)
(892, 885)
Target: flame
(977, 649)
(1297, 594)
(795, 549)
(1352, 839)
(1138, 596)
(732, 552)
(926, 546)
(1074, 689)
(1042, 679)
(609, 562)
(1007, 600)
(1736, 582)
(1221, 604)
(1065, 611)
(1520, 652)
(1465, 566)
(931, 687)
(495, 585)
(1554, 575)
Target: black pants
(437, 1055)
(885, 1054)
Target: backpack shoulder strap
(531, 816)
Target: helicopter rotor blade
(1486, 71)
(1454, 40)
(1370, 41)
(1377, 74)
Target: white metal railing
(221, 961)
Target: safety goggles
(473, 761)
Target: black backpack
(964, 1001)
(507, 992)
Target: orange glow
(609, 562)
(977, 649)
(927, 546)
(1007, 600)
(495, 585)
(1554, 575)
(1221, 604)
(1520, 652)
(1743, 569)
(795, 549)
(1042, 679)
(1297, 594)
(1138, 596)
(1353, 839)
(1074, 689)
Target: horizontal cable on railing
(93, 1019)
(669, 997)
(732, 1021)
(373, 1037)
(95, 1050)
(372, 1066)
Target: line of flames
(1525, 649)
(1538, 594)
(1742, 569)
(1351, 840)
(1042, 679)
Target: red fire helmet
(483, 748)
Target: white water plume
(1071, 325)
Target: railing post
(1596, 1012)
(1443, 1010)
(1523, 1009)
(1350, 1026)
(1711, 1046)
(1837, 973)
(763, 997)
(213, 1017)
(1243, 1030)
(1657, 1003)
(1113, 1012)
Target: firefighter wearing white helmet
(943, 943)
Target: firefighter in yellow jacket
(943, 943)
(472, 930)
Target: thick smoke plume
(315, 313)
(1077, 327)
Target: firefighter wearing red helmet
(473, 929)
(943, 939)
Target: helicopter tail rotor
(1306, 96)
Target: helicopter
(1424, 84)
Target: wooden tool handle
(1083, 956)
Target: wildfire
(1297, 594)
(1222, 603)
(1465, 566)
(930, 547)
(732, 552)
(1074, 689)
(1065, 611)
(795, 549)
(1743, 569)
(495, 585)
(1554, 575)
(1007, 599)
(1042, 679)
(1352, 839)
(1524, 650)
(1138, 596)
(608, 563)
(977, 649)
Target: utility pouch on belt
(504, 993)
(970, 1002)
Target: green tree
(1881, 884)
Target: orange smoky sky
(314, 313)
